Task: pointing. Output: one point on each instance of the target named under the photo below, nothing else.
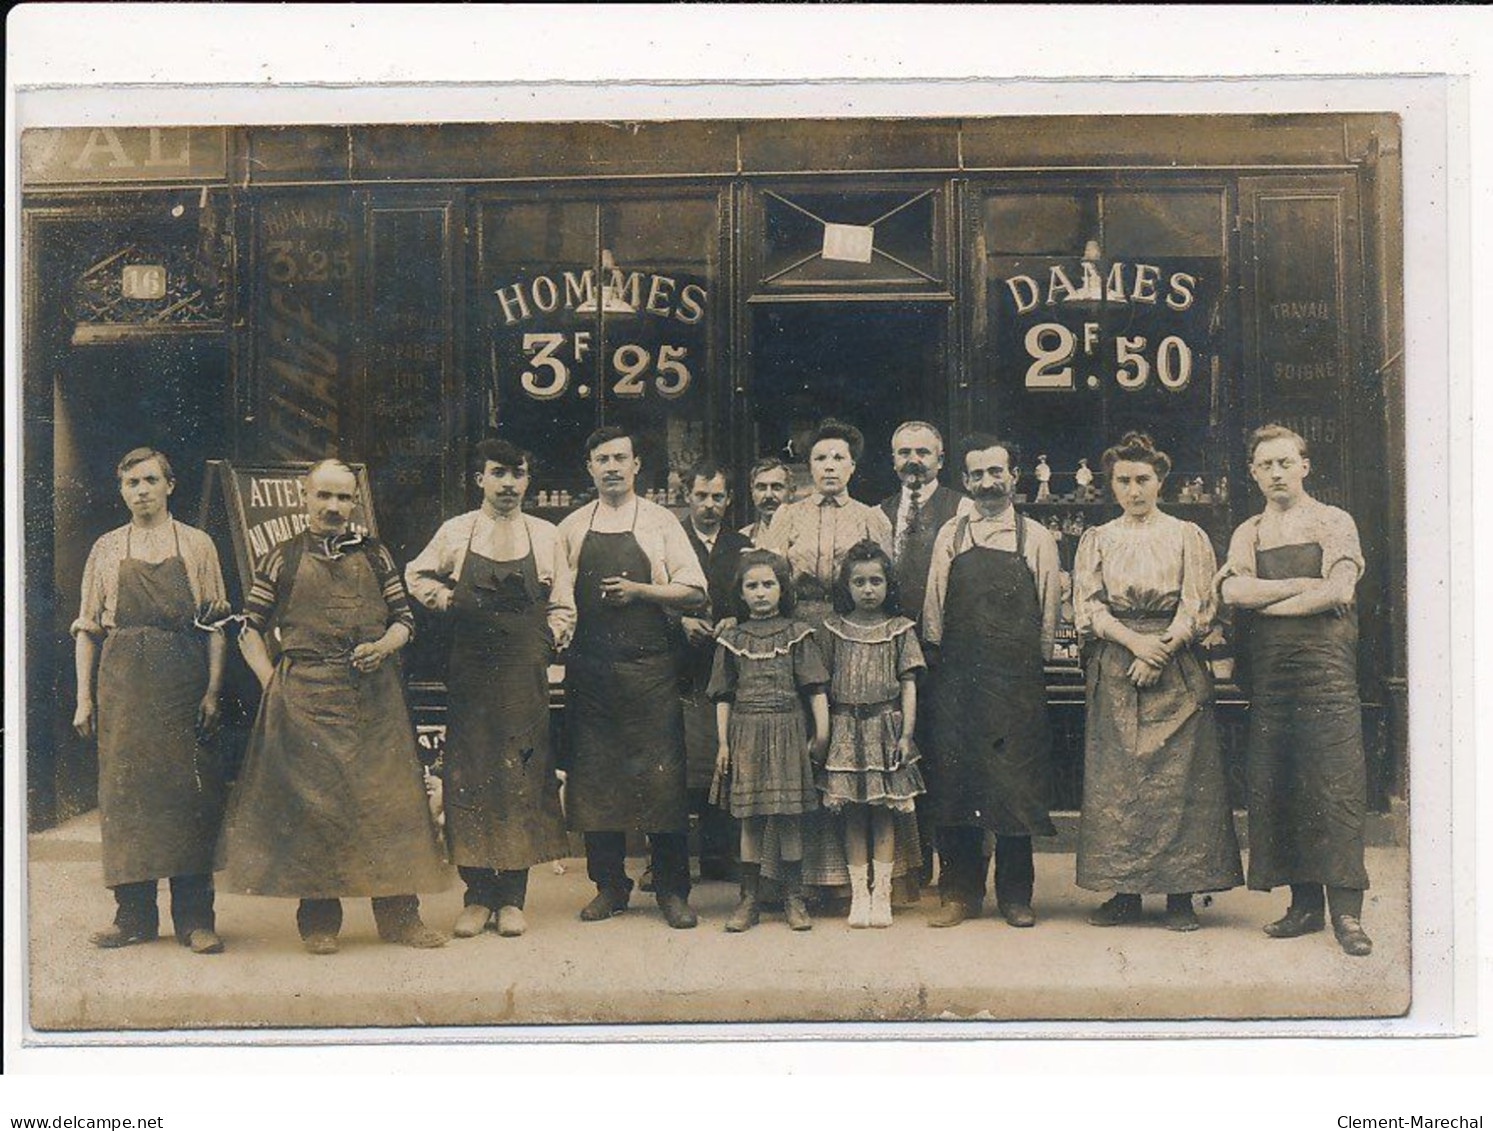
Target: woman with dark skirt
(1156, 815)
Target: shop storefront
(391, 294)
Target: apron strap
(129, 533)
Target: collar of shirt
(1006, 520)
(840, 500)
(925, 492)
(706, 540)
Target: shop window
(817, 242)
(598, 312)
(1104, 313)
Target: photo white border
(766, 44)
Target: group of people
(836, 692)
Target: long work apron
(1308, 787)
(624, 724)
(502, 797)
(1156, 815)
(331, 800)
(160, 790)
(990, 697)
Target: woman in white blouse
(1156, 815)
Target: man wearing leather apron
(624, 725)
(331, 799)
(499, 577)
(1291, 572)
(989, 619)
(150, 664)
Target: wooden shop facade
(392, 293)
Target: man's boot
(746, 915)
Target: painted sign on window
(1070, 324)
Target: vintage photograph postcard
(933, 569)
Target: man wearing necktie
(917, 513)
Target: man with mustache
(917, 513)
(769, 483)
(331, 799)
(497, 573)
(989, 618)
(718, 551)
(632, 564)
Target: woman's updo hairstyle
(1137, 447)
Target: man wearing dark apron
(498, 574)
(331, 799)
(1295, 567)
(624, 726)
(149, 588)
(989, 618)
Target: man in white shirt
(632, 563)
(500, 578)
(988, 620)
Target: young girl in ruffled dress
(766, 665)
(871, 769)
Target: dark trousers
(963, 864)
(191, 906)
(720, 835)
(606, 862)
(392, 913)
(494, 889)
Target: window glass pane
(902, 238)
(1038, 223)
(597, 312)
(1149, 224)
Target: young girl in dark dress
(765, 666)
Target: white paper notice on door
(849, 243)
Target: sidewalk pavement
(635, 969)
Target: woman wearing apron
(146, 589)
(497, 573)
(815, 534)
(1156, 815)
(331, 799)
(990, 611)
(1295, 567)
(623, 719)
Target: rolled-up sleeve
(1197, 603)
(430, 575)
(1340, 541)
(680, 565)
(1042, 551)
(554, 566)
(91, 605)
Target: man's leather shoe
(1295, 923)
(116, 937)
(320, 944)
(1116, 911)
(608, 902)
(951, 914)
(203, 941)
(1351, 936)
(472, 921)
(417, 935)
(1017, 914)
(677, 911)
(511, 922)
